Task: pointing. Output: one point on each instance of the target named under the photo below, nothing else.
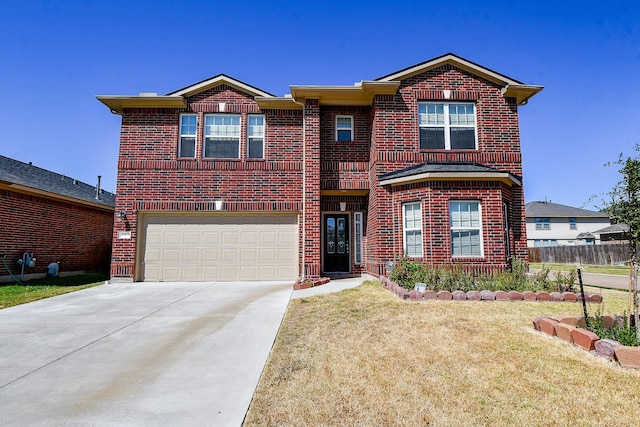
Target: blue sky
(56, 56)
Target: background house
(55, 217)
(553, 224)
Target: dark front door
(336, 243)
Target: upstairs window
(188, 126)
(447, 126)
(344, 128)
(412, 229)
(255, 137)
(543, 224)
(222, 136)
(466, 238)
(573, 223)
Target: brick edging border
(310, 283)
(487, 295)
(571, 329)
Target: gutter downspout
(304, 196)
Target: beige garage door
(220, 247)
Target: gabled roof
(510, 87)
(459, 171)
(26, 178)
(217, 81)
(585, 235)
(177, 99)
(555, 210)
(361, 93)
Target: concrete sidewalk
(139, 354)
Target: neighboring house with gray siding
(553, 224)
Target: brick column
(123, 251)
(312, 217)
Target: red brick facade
(498, 147)
(307, 172)
(77, 236)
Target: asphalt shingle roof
(555, 210)
(613, 228)
(16, 172)
(439, 167)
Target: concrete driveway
(139, 354)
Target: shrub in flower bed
(618, 330)
(483, 295)
(451, 278)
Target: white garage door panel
(219, 247)
(284, 254)
(172, 237)
(249, 254)
(210, 255)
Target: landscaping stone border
(310, 283)
(571, 329)
(487, 295)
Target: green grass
(33, 290)
(622, 270)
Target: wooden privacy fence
(610, 254)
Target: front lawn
(365, 357)
(13, 294)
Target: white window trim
(545, 243)
(357, 237)
(350, 128)
(264, 134)
(480, 228)
(448, 126)
(543, 224)
(181, 135)
(405, 229)
(507, 237)
(204, 131)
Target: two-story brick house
(224, 181)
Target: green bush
(625, 334)
(565, 282)
(453, 277)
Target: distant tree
(623, 207)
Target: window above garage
(221, 136)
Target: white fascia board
(218, 80)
